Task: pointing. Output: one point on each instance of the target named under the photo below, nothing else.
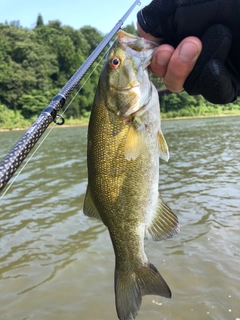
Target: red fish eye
(115, 62)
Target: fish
(125, 142)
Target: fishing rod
(19, 152)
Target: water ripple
(56, 263)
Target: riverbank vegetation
(182, 105)
(36, 63)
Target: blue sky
(101, 14)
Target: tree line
(36, 63)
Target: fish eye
(114, 62)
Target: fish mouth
(136, 43)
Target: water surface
(55, 263)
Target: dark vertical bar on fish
(10, 164)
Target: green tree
(35, 64)
(39, 22)
(93, 37)
(130, 28)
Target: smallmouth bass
(124, 144)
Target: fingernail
(188, 52)
(163, 58)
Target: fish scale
(124, 144)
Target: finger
(145, 35)
(161, 59)
(165, 51)
(181, 63)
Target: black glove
(216, 74)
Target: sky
(101, 14)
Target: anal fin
(164, 224)
(89, 208)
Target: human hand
(174, 65)
(216, 73)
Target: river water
(56, 263)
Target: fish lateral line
(124, 144)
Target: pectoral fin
(164, 224)
(89, 208)
(134, 143)
(162, 146)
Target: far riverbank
(84, 121)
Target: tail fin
(131, 286)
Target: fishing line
(86, 80)
(24, 166)
(16, 156)
(53, 126)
